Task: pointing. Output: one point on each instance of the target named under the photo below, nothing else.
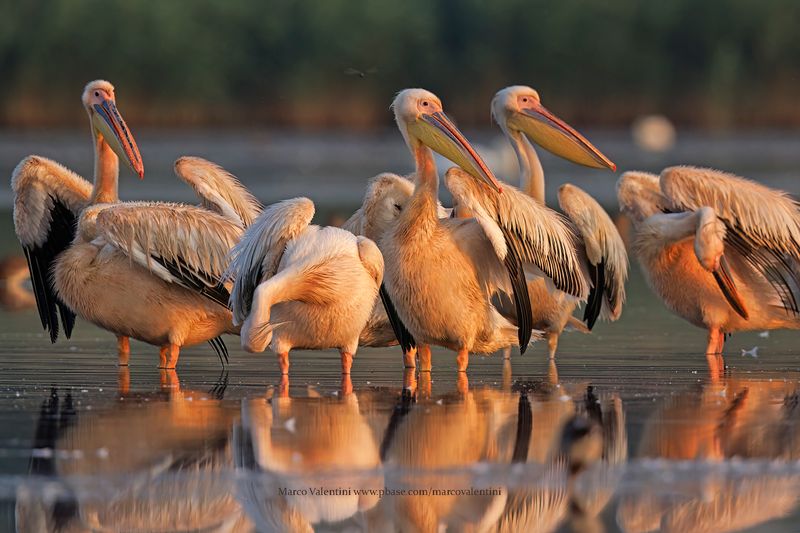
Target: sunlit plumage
(721, 251)
(518, 111)
(298, 285)
(386, 196)
(145, 270)
(442, 274)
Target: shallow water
(626, 431)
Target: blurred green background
(319, 64)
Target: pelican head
(422, 121)
(100, 103)
(519, 109)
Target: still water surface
(625, 432)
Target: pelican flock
(500, 269)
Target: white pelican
(441, 274)
(145, 270)
(721, 251)
(302, 286)
(386, 196)
(519, 113)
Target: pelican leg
(507, 374)
(552, 372)
(716, 365)
(410, 358)
(410, 381)
(507, 353)
(425, 386)
(716, 341)
(552, 344)
(424, 357)
(283, 386)
(283, 362)
(168, 356)
(347, 362)
(123, 350)
(721, 343)
(123, 380)
(462, 383)
(462, 360)
(347, 385)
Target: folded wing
(522, 232)
(762, 224)
(605, 253)
(257, 255)
(179, 243)
(48, 200)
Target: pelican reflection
(735, 418)
(306, 461)
(142, 462)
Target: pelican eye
(424, 103)
(97, 93)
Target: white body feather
(315, 288)
(670, 253)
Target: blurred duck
(441, 275)
(14, 295)
(163, 458)
(298, 285)
(145, 270)
(721, 251)
(519, 113)
(299, 443)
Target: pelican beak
(109, 123)
(726, 284)
(558, 137)
(439, 134)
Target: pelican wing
(179, 243)
(257, 255)
(219, 190)
(762, 224)
(48, 200)
(605, 253)
(516, 222)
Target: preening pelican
(441, 274)
(145, 270)
(302, 286)
(721, 251)
(519, 113)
